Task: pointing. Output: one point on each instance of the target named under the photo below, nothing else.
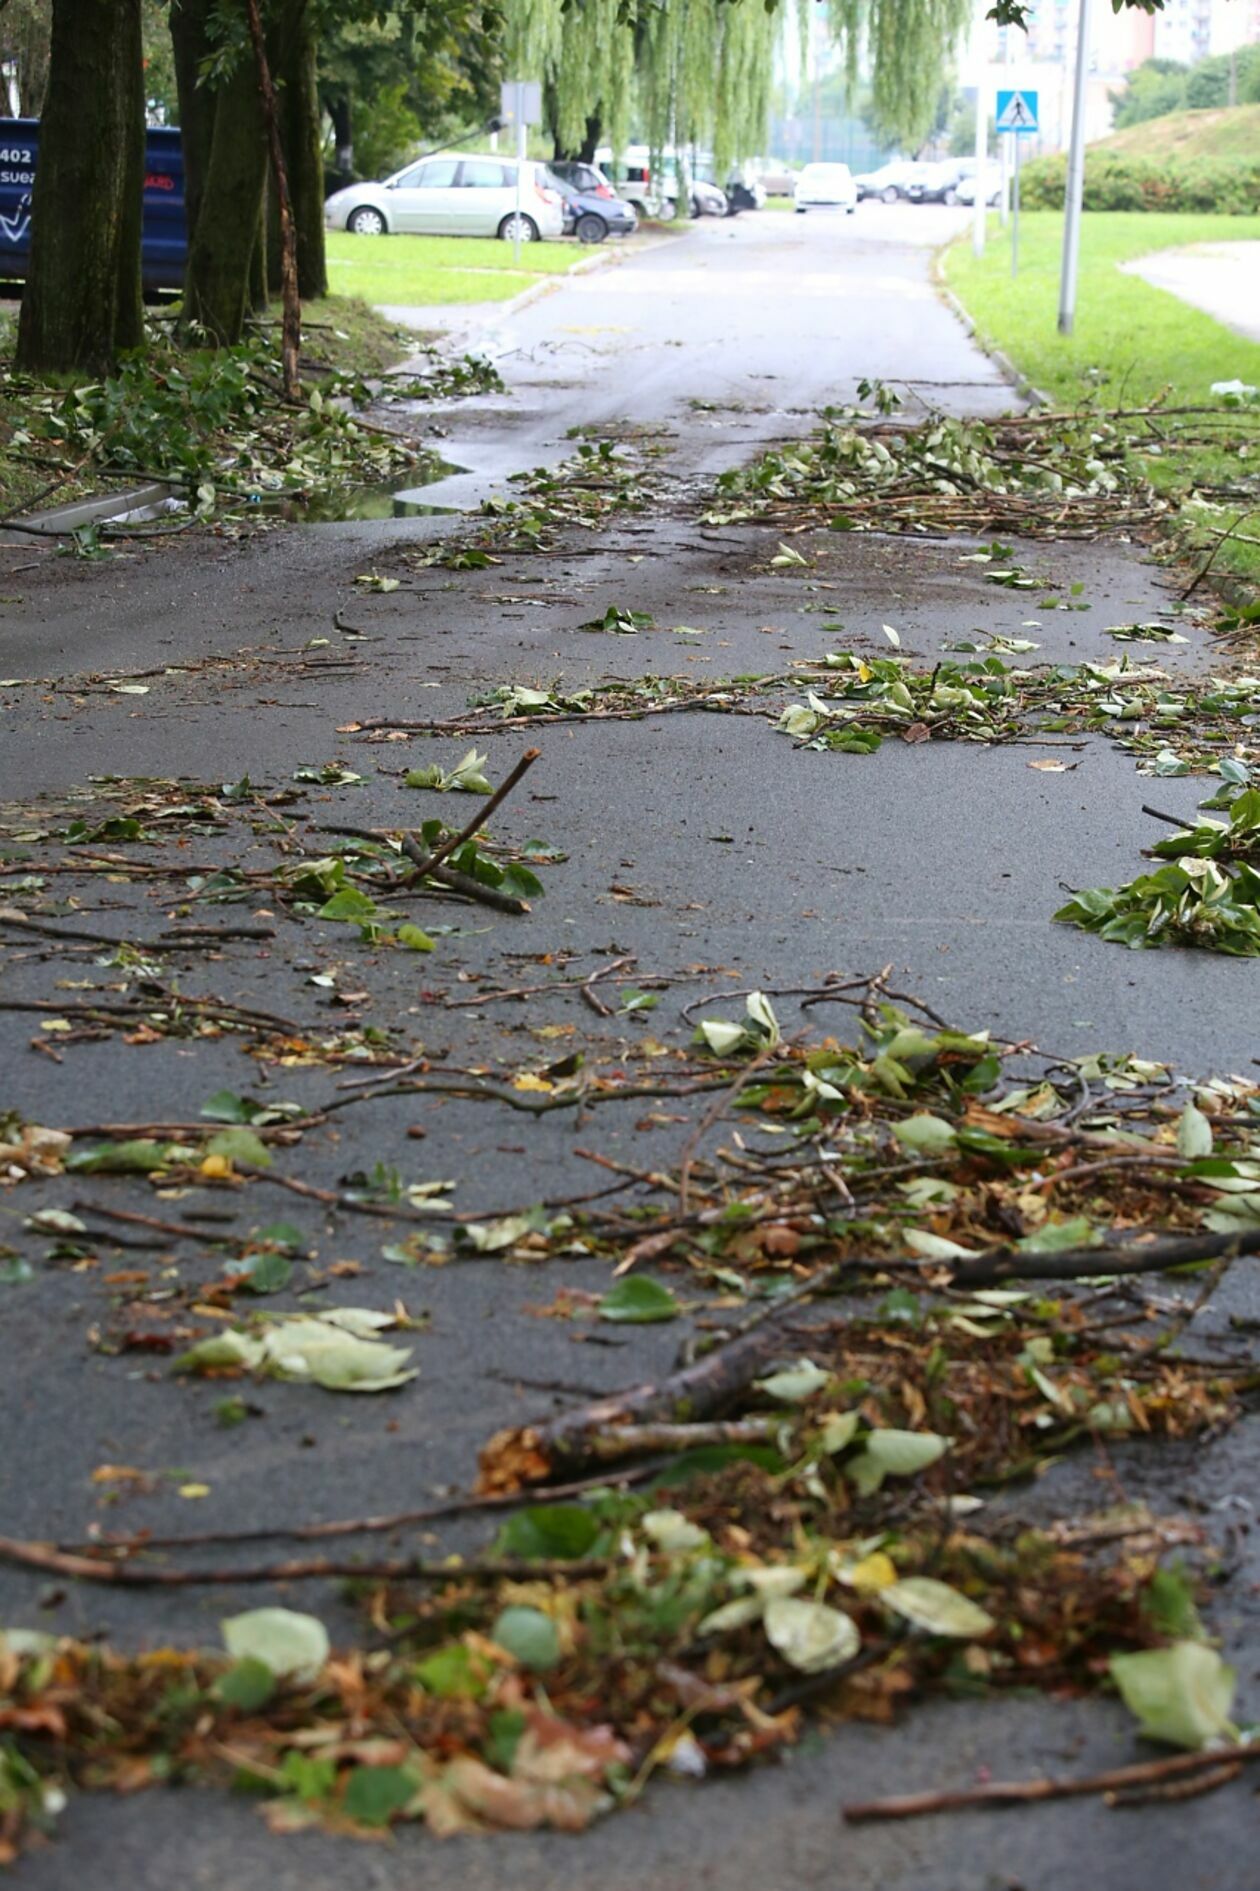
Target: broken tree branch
(454, 842)
(572, 1441)
(1022, 1792)
(187, 939)
(29, 1555)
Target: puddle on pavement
(400, 498)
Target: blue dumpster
(164, 242)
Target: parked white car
(825, 187)
(452, 196)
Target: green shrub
(1115, 182)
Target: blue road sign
(1017, 111)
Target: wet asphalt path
(692, 843)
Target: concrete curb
(62, 521)
(1018, 380)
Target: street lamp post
(1075, 181)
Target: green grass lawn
(1131, 344)
(416, 271)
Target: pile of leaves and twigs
(1046, 474)
(603, 482)
(1208, 893)
(1173, 724)
(807, 1510)
(216, 425)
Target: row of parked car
(948, 181)
(834, 187)
(476, 195)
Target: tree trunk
(339, 110)
(129, 316)
(82, 301)
(27, 38)
(291, 301)
(291, 47)
(217, 283)
(590, 144)
(190, 43)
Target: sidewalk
(1222, 279)
(699, 853)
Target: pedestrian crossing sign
(1017, 111)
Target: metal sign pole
(520, 166)
(1015, 212)
(982, 156)
(1075, 181)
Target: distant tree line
(1161, 86)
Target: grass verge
(191, 408)
(353, 338)
(1132, 344)
(424, 271)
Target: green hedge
(1113, 182)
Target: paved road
(739, 854)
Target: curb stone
(1018, 380)
(61, 521)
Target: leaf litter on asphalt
(911, 1256)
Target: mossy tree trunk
(221, 243)
(82, 301)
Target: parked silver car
(990, 186)
(452, 196)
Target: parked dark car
(592, 209)
(937, 183)
(164, 238)
(743, 196)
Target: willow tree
(706, 74)
(907, 47)
(585, 58)
(686, 71)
